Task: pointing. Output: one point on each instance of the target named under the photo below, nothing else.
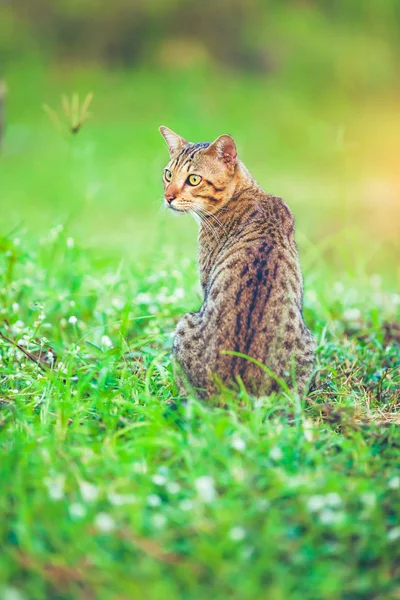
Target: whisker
(214, 217)
(207, 226)
(207, 216)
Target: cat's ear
(224, 148)
(174, 141)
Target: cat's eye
(194, 179)
(167, 175)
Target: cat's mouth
(177, 209)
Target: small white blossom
(237, 533)
(238, 444)
(352, 314)
(308, 430)
(121, 499)
(368, 498)
(55, 486)
(179, 293)
(263, 504)
(238, 473)
(394, 483)
(72, 320)
(186, 505)
(104, 523)
(15, 307)
(394, 534)
(173, 487)
(276, 453)
(205, 487)
(77, 510)
(140, 467)
(333, 499)
(118, 303)
(70, 242)
(143, 298)
(153, 500)
(89, 492)
(315, 503)
(105, 341)
(159, 479)
(396, 299)
(11, 593)
(159, 520)
(338, 287)
(329, 517)
(376, 281)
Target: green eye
(194, 179)
(167, 175)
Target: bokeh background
(309, 89)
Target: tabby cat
(250, 277)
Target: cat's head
(198, 177)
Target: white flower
(121, 499)
(89, 492)
(376, 281)
(329, 517)
(396, 299)
(153, 500)
(205, 487)
(118, 303)
(394, 483)
(186, 505)
(140, 467)
(15, 307)
(262, 504)
(159, 520)
(55, 486)
(338, 287)
(333, 499)
(351, 314)
(159, 479)
(105, 341)
(77, 510)
(315, 503)
(72, 320)
(239, 473)
(11, 593)
(143, 299)
(179, 294)
(70, 242)
(368, 498)
(276, 453)
(394, 534)
(237, 533)
(173, 487)
(238, 443)
(308, 430)
(104, 523)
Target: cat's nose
(170, 197)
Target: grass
(107, 490)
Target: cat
(250, 277)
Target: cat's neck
(242, 180)
(216, 227)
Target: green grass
(107, 491)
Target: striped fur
(250, 276)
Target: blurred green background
(309, 89)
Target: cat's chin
(180, 211)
